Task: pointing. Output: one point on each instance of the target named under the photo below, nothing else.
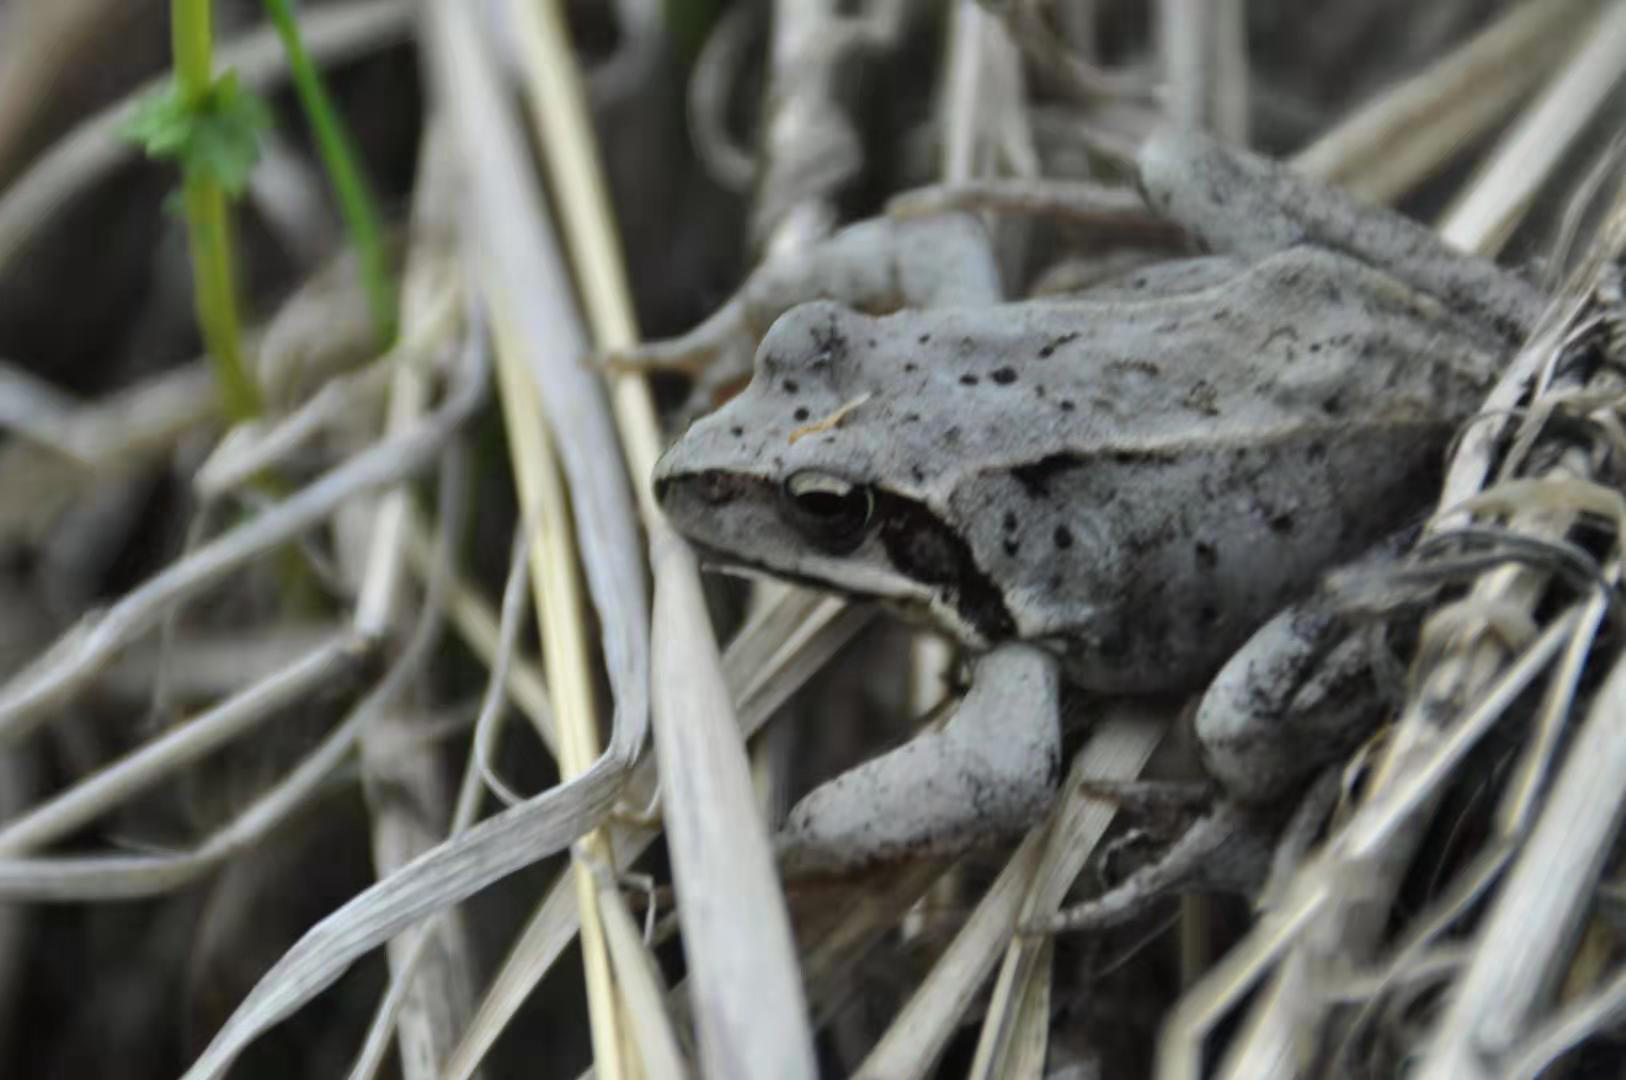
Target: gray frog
(1114, 490)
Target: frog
(1131, 490)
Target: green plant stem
(192, 39)
(208, 230)
(355, 201)
(208, 226)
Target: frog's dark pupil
(831, 513)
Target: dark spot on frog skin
(923, 339)
(1009, 524)
(1282, 522)
(1315, 346)
(1012, 547)
(951, 437)
(1332, 406)
(737, 431)
(1202, 398)
(1286, 333)
(1140, 367)
(1035, 478)
(1003, 376)
(872, 343)
(1144, 457)
(911, 418)
(1315, 452)
(1039, 391)
(1050, 347)
(917, 474)
(1064, 537)
(1207, 615)
(1067, 405)
(968, 379)
(791, 386)
(1207, 554)
(910, 367)
(800, 414)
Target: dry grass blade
(767, 662)
(142, 420)
(917, 1035)
(1119, 749)
(180, 746)
(1537, 911)
(1487, 214)
(1205, 65)
(1385, 148)
(519, 259)
(752, 1019)
(564, 647)
(79, 656)
(432, 973)
(469, 613)
(1030, 887)
(505, 219)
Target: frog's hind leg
(1237, 203)
(990, 771)
(876, 266)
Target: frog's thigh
(991, 770)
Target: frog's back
(1181, 468)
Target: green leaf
(215, 134)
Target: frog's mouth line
(717, 560)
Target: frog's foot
(989, 772)
(1233, 848)
(1227, 850)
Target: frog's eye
(828, 510)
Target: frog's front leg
(879, 265)
(1237, 203)
(1303, 692)
(990, 771)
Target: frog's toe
(1227, 850)
(724, 339)
(681, 355)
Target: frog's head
(810, 474)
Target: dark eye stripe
(924, 549)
